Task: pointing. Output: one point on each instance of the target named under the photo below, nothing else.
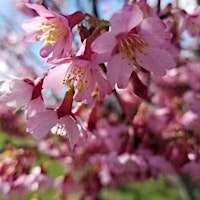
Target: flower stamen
(50, 31)
(77, 76)
(129, 44)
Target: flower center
(50, 31)
(77, 76)
(130, 43)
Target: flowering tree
(124, 98)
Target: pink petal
(104, 44)
(103, 85)
(127, 19)
(57, 50)
(99, 58)
(16, 97)
(64, 21)
(31, 37)
(61, 49)
(68, 43)
(33, 24)
(40, 124)
(71, 129)
(84, 95)
(136, 16)
(55, 77)
(41, 10)
(46, 49)
(154, 32)
(80, 61)
(35, 106)
(119, 71)
(155, 60)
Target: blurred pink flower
(193, 75)
(192, 169)
(36, 179)
(158, 164)
(158, 120)
(52, 27)
(134, 41)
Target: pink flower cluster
(137, 41)
(124, 102)
(127, 97)
(18, 175)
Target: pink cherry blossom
(134, 41)
(24, 93)
(83, 74)
(40, 124)
(60, 121)
(15, 88)
(54, 28)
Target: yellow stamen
(77, 77)
(131, 43)
(50, 31)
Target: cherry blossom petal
(64, 20)
(55, 77)
(68, 43)
(103, 85)
(154, 32)
(155, 60)
(32, 24)
(71, 129)
(127, 19)
(46, 49)
(119, 71)
(99, 58)
(41, 10)
(31, 37)
(16, 97)
(136, 16)
(57, 51)
(104, 43)
(40, 124)
(36, 105)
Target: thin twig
(94, 5)
(159, 7)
